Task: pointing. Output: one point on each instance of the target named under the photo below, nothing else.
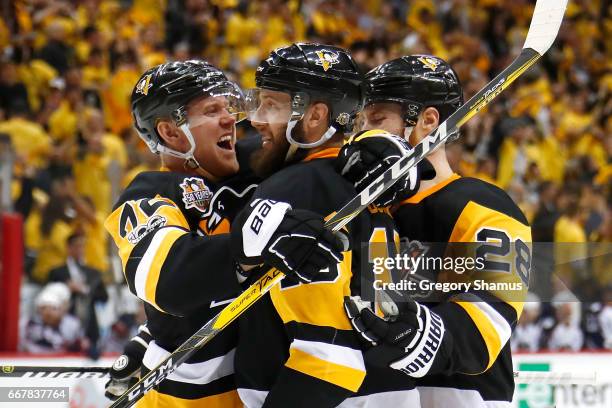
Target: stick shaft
(51, 371)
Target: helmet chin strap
(291, 125)
(190, 161)
(407, 132)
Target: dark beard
(265, 162)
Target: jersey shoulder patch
(195, 193)
(192, 194)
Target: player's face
(385, 116)
(212, 123)
(50, 315)
(269, 113)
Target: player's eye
(271, 106)
(377, 119)
(213, 110)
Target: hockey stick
(520, 377)
(52, 372)
(543, 30)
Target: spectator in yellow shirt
(514, 155)
(91, 172)
(27, 137)
(571, 251)
(55, 228)
(91, 223)
(64, 121)
(117, 96)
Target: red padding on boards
(11, 270)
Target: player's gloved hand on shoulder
(293, 241)
(368, 154)
(125, 370)
(413, 341)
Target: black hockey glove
(413, 341)
(368, 154)
(293, 241)
(125, 370)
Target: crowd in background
(67, 69)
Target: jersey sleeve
(481, 320)
(166, 264)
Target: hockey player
(458, 346)
(171, 228)
(296, 347)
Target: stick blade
(545, 24)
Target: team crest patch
(144, 85)
(429, 62)
(327, 59)
(343, 119)
(196, 194)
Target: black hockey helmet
(164, 91)
(416, 82)
(314, 73)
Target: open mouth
(225, 142)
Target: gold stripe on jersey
(494, 329)
(476, 217)
(295, 303)
(340, 375)
(170, 212)
(369, 133)
(149, 268)
(155, 399)
(490, 335)
(158, 260)
(320, 304)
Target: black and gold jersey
(462, 211)
(171, 233)
(168, 227)
(296, 345)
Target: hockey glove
(293, 241)
(126, 368)
(368, 154)
(413, 341)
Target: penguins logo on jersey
(413, 248)
(144, 85)
(429, 62)
(196, 194)
(327, 59)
